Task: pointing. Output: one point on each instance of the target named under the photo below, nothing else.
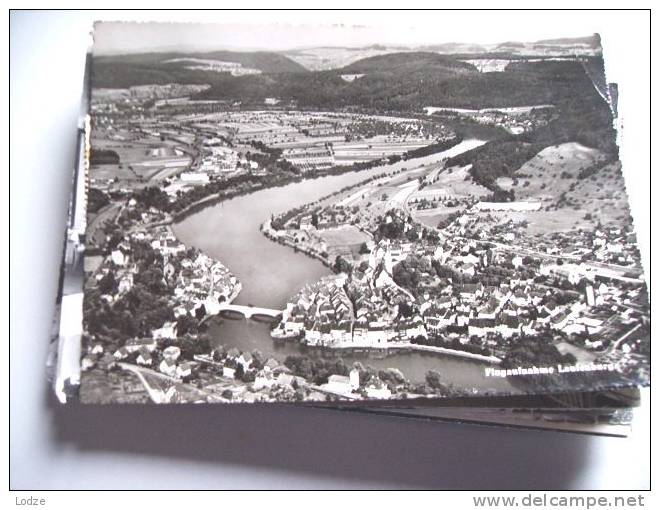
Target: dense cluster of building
(199, 285)
(360, 310)
(612, 244)
(321, 310)
(466, 288)
(465, 293)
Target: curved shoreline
(334, 171)
(392, 346)
(272, 235)
(408, 347)
(398, 347)
(269, 234)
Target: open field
(569, 202)
(603, 195)
(348, 138)
(160, 169)
(374, 148)
(398, 186)
(431, 217)
(343, 236)
(300, 140)
(141, 160)
(392, 175)
(167, 171)
(538, 222)
(551, 172)
(121, 172)
(139, 172)
(137, 148)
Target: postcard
(346, 223)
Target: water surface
(271, 273)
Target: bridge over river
(249, 311)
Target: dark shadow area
(397, 451)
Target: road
(193, 152)
(158, 395)
(615, 345)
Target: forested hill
(120, 71)
(583, 117)
(395, 81)
(410, 62)
(404, 82)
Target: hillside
(584, 118)
(404, 82)
(395, 81)
(454, 48)
(326, 58)
(399, 82)
(265, 61)
(578, 187)
(551, 172)
(120, 71)
(494, 160)
(413, 62)
(602, 196)
(589, 40)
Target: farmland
(311, 140)
(557, 177)
(140, 160)
(494, 228)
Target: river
(271, 273)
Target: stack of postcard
(433, 231)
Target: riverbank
(273, 235)
(234, 294)
(383, 164)
(236, 289)
(403, 347)
(272, 272)
(408, 347)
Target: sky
(268, 31)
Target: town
(472, 286)
(472, 233)
(148, 293)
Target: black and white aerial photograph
(333, 219)
(347, 249)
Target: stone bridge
(248, 311)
